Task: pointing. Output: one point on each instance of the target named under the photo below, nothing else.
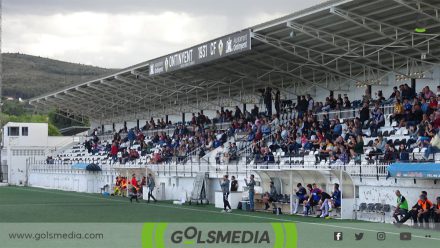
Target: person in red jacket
(134, 181)
(134, 189)
(114, 151)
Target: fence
(351, 113)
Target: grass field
(33, 205)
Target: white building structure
(23, 142)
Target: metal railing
(351, 113)
(217, 171)
(240, 166)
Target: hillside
(28, 76)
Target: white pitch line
(216, 212)
(54, 204)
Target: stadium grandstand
(342, 97)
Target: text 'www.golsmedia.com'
(56, 236)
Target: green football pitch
(34, 205)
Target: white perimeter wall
(77, 180)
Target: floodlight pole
(1, 59)
(1, 102)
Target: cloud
(115, 37)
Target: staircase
(63, 145)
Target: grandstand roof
(330, 45)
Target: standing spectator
(364, 113)
(237, 113)
(114, 151)
(310, 103)
(251, 186)
(302, 106)
(234, 184)
(268, 100)
(437, 214)
(134, 189)
(277, 102)
(255, 111)
(131, 136)
(224, 184)
(395, 94)
(151, 184)
(347, 103)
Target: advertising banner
(215, 49)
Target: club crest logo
(229, 46)
(220, 47)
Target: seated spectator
(380, 97)
(378, 147)
(433, 146)
(377, 120)
(403, 153)
(420, 212)
(343, 157)
(398, 112)
(336, 197)
(389, 154)
(125, 156)
(324, 204)
(313, 199)
(433, 104)
(133, 154)
(337, 128)
(324, 150)
(300, 197)
(427, 93)
(156, 158)
(219, 154)
(271, 196)
(401, 207)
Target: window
(13, 131)
(24, 131)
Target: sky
(121, 33)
